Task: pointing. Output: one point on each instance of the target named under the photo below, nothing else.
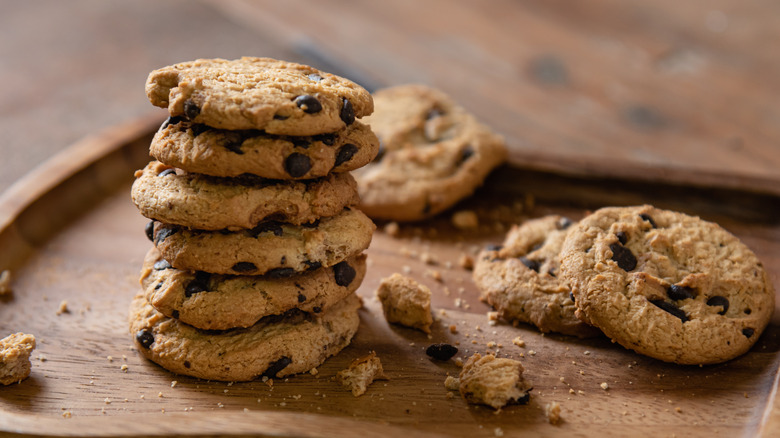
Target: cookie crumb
(678, 410)
(107, 401)
(466, 262)
(361, 373)
(465, 220)
(15, 351)
(428, 259)
(314, 371)
(604, 386)
(63, 308)
(498, 431)
(553, 410)
(493, 382)
(436, 275)
(519, 342)
(392, 229)
(66, 414)
(5, 282)
(173, 383)
(123, 367)
(452, 383)
(406, 302)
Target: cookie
(521, 280)
(361, 373)
(495, 382)
(667, 285)
(272, 248)
(405, 302)
(276, 346)
(218, 152)
(220, 302)
(15, 353)
(433, 154)
(203, 202)
(278, 97)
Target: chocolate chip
(198, 129)
(530, 264)
(280, 272)
(719, 301)
(158, 286)
(494, 247)
(433, 113)
(564, 223)
(647, 217)
(427, 207)
(312, 265)
(623, 256)
(677, 293)
(344, 273)
(347, 113)
(466, 153)
(622, 237)
(265, 227)
(149, 230)
(301, 298)
(326, 139)
(441, 351)
(161, 265)
(187, 364)
(571, 296)
(145, 338)
(164, 233)
(277, 366)
(316, 309)
(172, 120)
(235, 146)
(522, 400)
(280, 117)
(315, 77)
(748, 311)
(166, 172)
(345, 154)
(175, 314)
(199, 284)
(748, 332)
(380, 154)
(244, 267)
(308, 103)
(671, 308)
(191, 110)
(297, 165)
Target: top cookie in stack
(251, 201)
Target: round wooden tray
(70, 234)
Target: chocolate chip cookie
(667, 285)
(434, 153)
(219, 302)
(218, 152)
(277, 97)
(276, 346)
(521, 280)
(203, 202)
(272, 248)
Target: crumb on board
(519, 342)
(406, 302)
(428, 258)
(5, 282)
(361, 373)
(498, 431)
(452, 383)
(553, 411)
(66, 414)
(392, 229)
(15, 353)
(465, 220)
(466, 262)
(63, 307)
(495, 382)
(604, 386)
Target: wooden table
(648, 97)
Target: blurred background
(683, 91)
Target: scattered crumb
(450, 395)
(428, 259)
(452, 383)
(406, 302)
(392, 229)
(466, 262)
(436, 275)
(553, 410)
(66, 414)
(5, 282)
(453, 329)
(406, 269)
(123, 367)
(586, 353)
(63, 308)
(678, 410)
(361, 372)
(110, 358)
(160, 394)
(42, 358)
(498, 431)
(15, 351)
(519, 342)
(493, 382)
(314, 371)
(465, 220)
(571, 391)
(107, 401)
(459, 362)
(173, 383)
(532, 352)
(492, 316)
(604, 386)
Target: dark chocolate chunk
(748, 332)
(158, 286)
(622, 237)
(671, 308)
(676, 292)
(163, 233)
(145, 338)
(312, 265)
(172, 120)
(571, 296)
(623, 256)
(316, 309)
(301, 298)
(441, 351)
(280, 117)
(198, 129)
(175, 314)
(149, 230)
(300, 142)
(466, 153)
(494, 247)
(315, 77)
(161, 265)
(280, 272)
(191, 110)
(719, 301)
(244, 267)
(297, 165)
(647, 217)
(277, 366)
(564, 223)
(308, 103)
(522, 400)
(347, 113)
(345, 154)
(187, 364)
(265, 227)
(166, 172)
(530, 264)
(235, 146)
(344, 273)
(747, 311)
(199, 284)
(326, 139)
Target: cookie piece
(273, 248)
(487, 380)
(361, 373)
(217, 152)
(521, 280)
(5, 282)
(433, 154)
(203, 202)
(15, 353)
(276, 346)
(278, 97)
(667, 285)
(220, 302)
(406, 302)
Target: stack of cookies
(258, 248)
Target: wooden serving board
(69, 233)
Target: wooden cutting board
(70, 234)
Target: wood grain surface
(86, 248)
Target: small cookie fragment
(465, 220)
(406, 302)
(5, 282)
(15, 353)
(495, 382)
(553, 411)
(361, 372)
